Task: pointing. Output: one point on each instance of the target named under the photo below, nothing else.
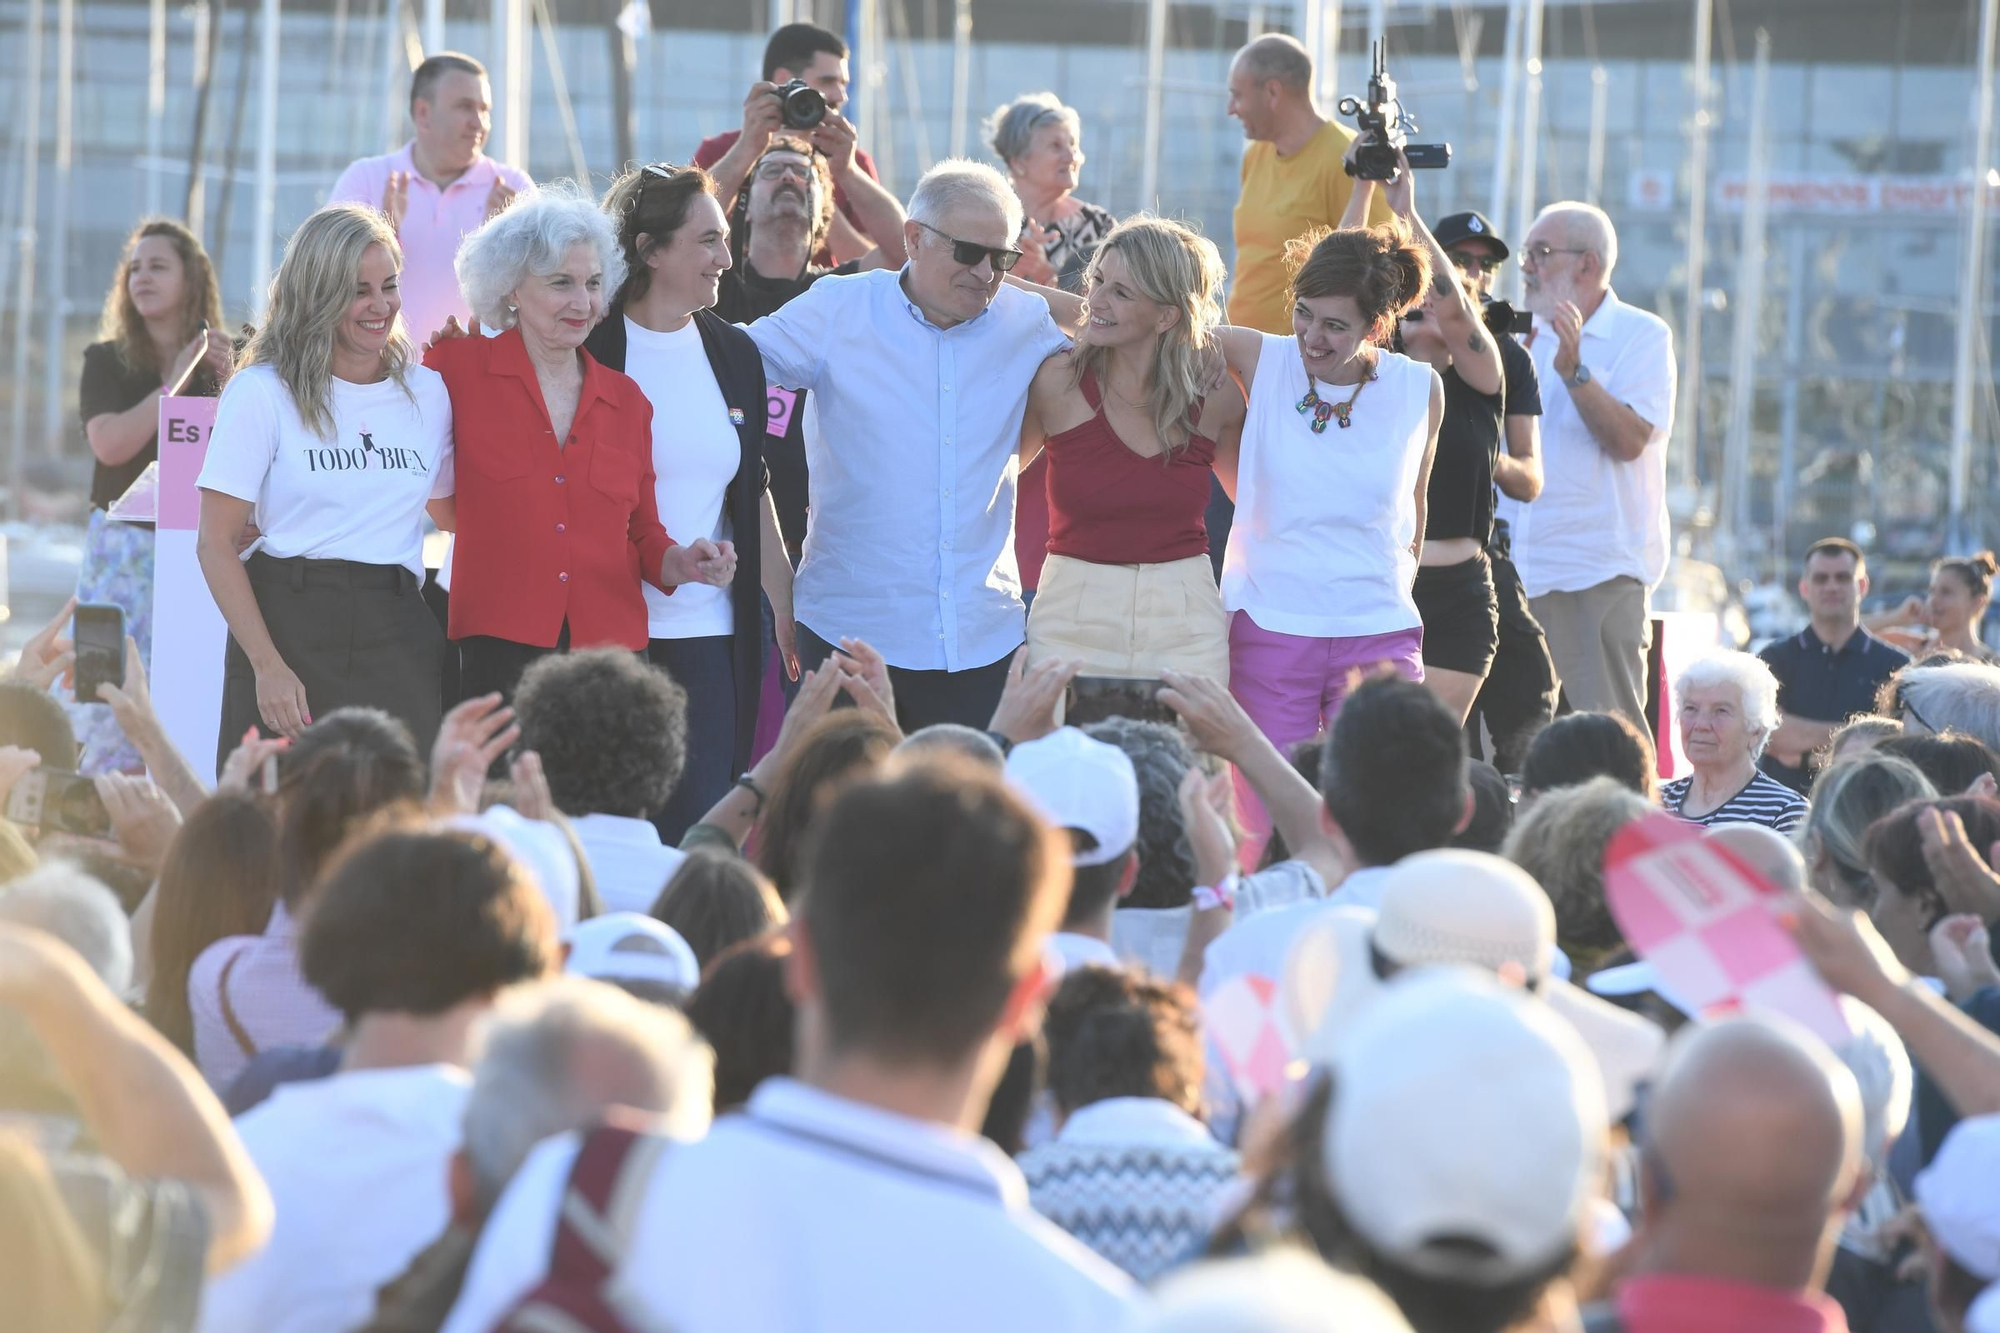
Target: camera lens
(802, 107)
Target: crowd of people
(940, 783)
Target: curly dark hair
(417, 921)
(1160, 757)
(1113, 1032)
(611, 731)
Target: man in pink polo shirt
(437, 188)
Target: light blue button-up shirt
(911, 433)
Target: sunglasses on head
(970, 253)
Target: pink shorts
(1292, 687)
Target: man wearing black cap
(1519, 694)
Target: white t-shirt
(358, 1166)
(1320, 546)
(696, 452)
(357, 494)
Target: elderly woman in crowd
(1846, 799)
(558, 517)
(1041, 142)
(1561, 842)
(1960, 696)
(1728, 710)
(334, 441)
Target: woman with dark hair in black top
(1454, 588)
(162, 323)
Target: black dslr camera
(800, 105)
(1504, 321)
(1384, 126)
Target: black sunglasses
(970, 253)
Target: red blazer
(548, 534)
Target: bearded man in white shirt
(1592, 548)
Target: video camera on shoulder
(1385, 127)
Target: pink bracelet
(1222, 895)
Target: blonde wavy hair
(310, 296)
(201, 300)
(1174, 266)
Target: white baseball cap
(1076, 782)
(625, 946)
(1454, 906)
(1463, 1109)
(1960, 1203)
(1280, 1290)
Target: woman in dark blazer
(706, 381)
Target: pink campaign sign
(185, 424)
(1707, 923)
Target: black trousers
(925, 697)
(487, 665)
(1519, 696)
(438, 599)
(706, 669)
(355, 635)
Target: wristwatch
(1579, 377)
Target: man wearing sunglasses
(1519, 694)
(919, 379)
(1594, 544)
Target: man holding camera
(1293, 177)
(1519, 695)
(805, 72)
(1595, 543)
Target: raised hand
(396, 199)
(1027, 708)
(48, 654)
(1568, 324)
(472, 737)
(497, 198)
(143, 818)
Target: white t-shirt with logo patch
(358, 493)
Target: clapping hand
(396, 199)
(867, 678)
(497, 198)
(699, 561)
(1033, 265)
(1964, 956)
(250, 757)
(1964, 878)
(1567, 321)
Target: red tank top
(1109, 506)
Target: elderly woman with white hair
(1041, 142)
(1728, 710)
(557, 514)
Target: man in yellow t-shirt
(1293, 180)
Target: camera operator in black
(1519, 696)
(797, 53)
(1454, 586)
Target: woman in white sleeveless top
(1329, 487)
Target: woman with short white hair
(1728, 711)
(557, 514)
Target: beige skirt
(1131, 620)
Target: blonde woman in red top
(1135, 418)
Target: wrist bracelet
(1222, 895)
(749, 784)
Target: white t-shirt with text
(357, 493)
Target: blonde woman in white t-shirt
(332, 440)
